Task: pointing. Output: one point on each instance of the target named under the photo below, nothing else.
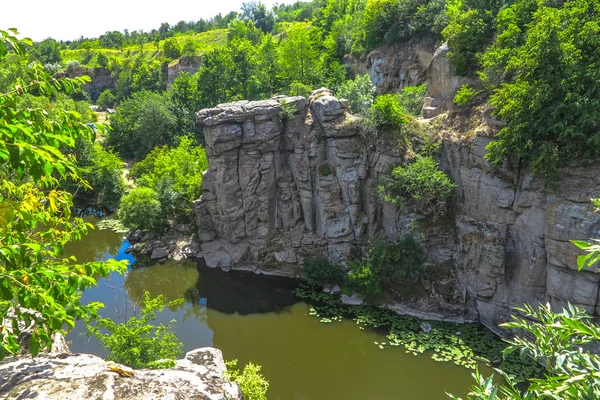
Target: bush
(175, 174)
(104, 175)
(299, 89)
(321, 272)
(387, 268)
(422, 184)
(412, 97)
(465, 96)
(138, 343)
(141, 123)
(106, 99)
(141, 209)
(171, 48)
(387, 112)
(253, 384)
(359, 92)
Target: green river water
(259, 319)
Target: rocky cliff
(282, 187)
(61, 375)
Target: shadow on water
(259, 319)
(241, 293)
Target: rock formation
(284, 187)
(61, 375)
(184, 64)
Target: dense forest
(534, 62)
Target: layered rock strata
(291, 178)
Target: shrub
(141, 123)
(175, 174)
(73, 68)
(253, 384)
(138, 343)
(412, 97)
(299, 89)
(422, 184)
(321, 272)
(359, 92)
(387, 268)
(171, 48)
(141, 209)
(104, 175)
(106, 99)
(387, 112)
(465, 96)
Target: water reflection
(258, 319)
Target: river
(259, 319)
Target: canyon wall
(283, 187)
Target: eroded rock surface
(83, 376)
(282, 188)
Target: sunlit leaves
(40, 290)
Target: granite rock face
(83, 376)
(282, 188)
(513, 236)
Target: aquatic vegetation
(111, 224)
(466, 345)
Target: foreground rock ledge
(84, 376)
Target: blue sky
(70, 19)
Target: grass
(205, 42)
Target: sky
(70, 19)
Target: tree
(106, 99)
(552, 103)
(267, 67)
(171, 48)
(137, 343)
(242, 54)
(142, 123)
(216, 78)
(40, 290)
(298, 55)
(189, 48)
(47, 51)
(140, 209)
(359, 92)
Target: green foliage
(420, 183)
(175, 174)
(141, 209)
(216, 78)
(287, 110)
(104, 175)
(141, 123)
(39, 288)
(189, 49)
(387, 112)
(253, 384)
(592, 248)
(171, 48)
(471, 25)
(412, 97)
(322, 272)
(387, 268)
(298, 55)
(138, 343)
(359, 92)
(396, 21)
(556, 340)
(465, 96)
(106, 99)
(47, 51)
(298, 88)
(550, 106)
